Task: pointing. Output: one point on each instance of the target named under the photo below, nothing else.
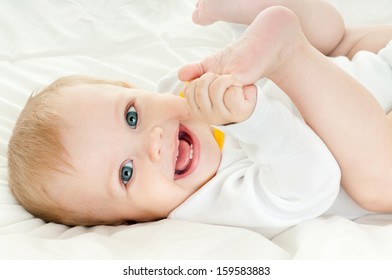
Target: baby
(86, 151)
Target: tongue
(183, 155)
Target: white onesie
(275, 171)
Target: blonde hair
(36, 154)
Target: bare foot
(237, 11)
(263, 48)
(324, 37)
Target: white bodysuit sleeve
(296, 163)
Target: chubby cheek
(169, 195)
(158, 186)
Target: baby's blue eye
(131, 117)
(126, 172)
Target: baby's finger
(202, 92)
(218, 90)
(198, 98)
(190, 71)
(190, 97)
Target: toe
(190, 72)
(200, 14)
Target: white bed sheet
(141, 41)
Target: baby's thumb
(250, 93)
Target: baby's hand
(220, 99)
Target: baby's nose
(154, 144)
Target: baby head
(86, 151)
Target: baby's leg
(236, 11)
(263, 41)
(320, 21)
(338, 108)
(369, 38)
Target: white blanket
(141, 41)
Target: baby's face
(137, 155)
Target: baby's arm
(349, 120)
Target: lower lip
(196, 154)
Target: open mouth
(185, 153)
